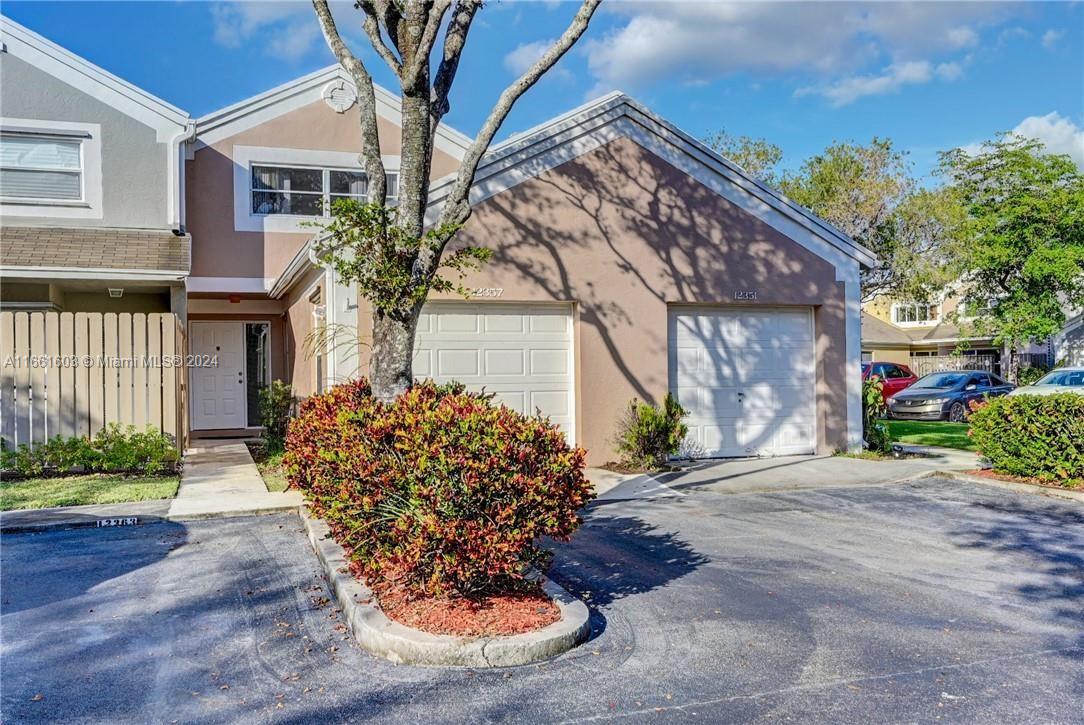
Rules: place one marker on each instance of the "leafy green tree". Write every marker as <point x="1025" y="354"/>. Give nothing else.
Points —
<point x="1022" y="244"/>
<point x="868" y="193"/>
<point x="757" y="156"/>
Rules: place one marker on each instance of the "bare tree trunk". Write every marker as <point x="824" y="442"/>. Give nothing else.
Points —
<point x="404" y="35"/>
<point x="390" y="371"/>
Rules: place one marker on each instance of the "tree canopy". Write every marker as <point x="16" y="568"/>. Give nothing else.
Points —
<point x="1021" y="244"/>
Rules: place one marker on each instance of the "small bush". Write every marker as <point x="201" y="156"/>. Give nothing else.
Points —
<point x="113" y="449"/>
<point x="439" y="492"/>
<point x="875" y="432"/>
<point x="1037" y="436"/>
<point x="1028" y="375"/>
<point x="276" y="401"/>
<point x="648" y="435"/>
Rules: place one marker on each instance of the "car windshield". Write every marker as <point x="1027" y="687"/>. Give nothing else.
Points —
<point x="941" y="380"/>
<point x="865" y="368"/>
<point x="1071" y="378"/>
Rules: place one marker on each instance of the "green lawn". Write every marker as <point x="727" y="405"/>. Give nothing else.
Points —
<point x="269" y="465"/>
<point x="273" y="475"/>
<point x="931" y="433"/>
<point x="37" y="493"/>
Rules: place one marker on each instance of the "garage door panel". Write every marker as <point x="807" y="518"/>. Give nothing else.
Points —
<point x="455" y="322"/>
<point x="519" y="353"/>
<point x="552" y="402"/>
<point x="548" y="324"/>
<point x="549" y="362"/>
<point x="747" y="379"/>
<point x="457" y="364"/>
<point x="504" y="362"/>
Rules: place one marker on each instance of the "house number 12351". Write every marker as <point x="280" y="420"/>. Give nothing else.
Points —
<point x="487" y="291"/>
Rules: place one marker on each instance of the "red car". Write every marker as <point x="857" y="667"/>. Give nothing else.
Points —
<point x="894" y="376"/>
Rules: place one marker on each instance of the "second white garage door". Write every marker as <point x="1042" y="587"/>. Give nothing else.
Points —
<point x="747" y="377"/>
<point x="521" y="353"/>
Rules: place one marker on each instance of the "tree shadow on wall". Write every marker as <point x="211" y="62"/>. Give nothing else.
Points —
<point x="606" y="227"/>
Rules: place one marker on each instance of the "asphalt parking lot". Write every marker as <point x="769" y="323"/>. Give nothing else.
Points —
<point x="905" y="602"/>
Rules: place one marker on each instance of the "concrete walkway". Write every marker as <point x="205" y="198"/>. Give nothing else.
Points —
<point x="750" y="475"/>
<point x="220" y="479"/>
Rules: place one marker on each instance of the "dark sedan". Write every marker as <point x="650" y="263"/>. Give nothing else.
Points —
<point x="945" y="395"/>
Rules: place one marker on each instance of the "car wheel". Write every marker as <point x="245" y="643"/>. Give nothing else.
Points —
<point x="957" y="413"/>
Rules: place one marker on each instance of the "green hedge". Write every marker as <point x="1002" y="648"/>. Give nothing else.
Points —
<point x="112" y="450"/>
<point x="1038" y="436"/>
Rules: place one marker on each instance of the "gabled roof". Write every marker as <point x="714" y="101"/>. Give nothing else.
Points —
<point x="529" y="154"/>
<point x="81" y="74"/>
<point x="300" y="92"/>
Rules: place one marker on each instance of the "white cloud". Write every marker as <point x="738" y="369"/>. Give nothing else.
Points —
<point x="891" y="79"/>
<point x="1058" y="133"/>
<point x="286" y="30"/>
<point x="1051" y="37"/>
<point x="705" y="41"/>
<point x="525" y="55"/>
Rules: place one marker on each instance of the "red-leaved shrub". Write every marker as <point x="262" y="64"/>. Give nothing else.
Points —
<point x="441" y="492"/>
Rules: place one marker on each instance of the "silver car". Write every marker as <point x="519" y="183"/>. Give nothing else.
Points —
<point x="1062" y="380"/>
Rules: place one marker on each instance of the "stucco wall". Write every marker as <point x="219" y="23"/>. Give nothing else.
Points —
<point x="134" y="164"/>
<point x="624" y="235"/>
<point x="218" y="249"/>
<point x="298" y="323"/>
<point x="889" y="355"/>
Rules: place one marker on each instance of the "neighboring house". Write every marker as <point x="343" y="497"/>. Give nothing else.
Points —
<point x="1069" y="343"/>
<point x="931" y="336"/>
<point x="629" y="260"/>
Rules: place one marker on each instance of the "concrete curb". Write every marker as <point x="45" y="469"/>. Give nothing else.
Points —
<point x="1032" y="489"/>
<point x="403" y="645"/>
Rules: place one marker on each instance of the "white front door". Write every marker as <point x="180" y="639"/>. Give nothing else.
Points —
<point x="747" y="377"/>
<point x="217" y="391"/>
<point x="521" y="353"/>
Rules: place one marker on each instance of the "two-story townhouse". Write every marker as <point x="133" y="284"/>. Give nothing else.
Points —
<point x="629" y="261"/>
<point x="933" y="335"/>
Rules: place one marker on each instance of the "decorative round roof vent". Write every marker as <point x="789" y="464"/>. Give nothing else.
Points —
<point x="339" y="96"/>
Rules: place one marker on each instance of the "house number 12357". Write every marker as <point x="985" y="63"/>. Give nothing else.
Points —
<point x="487" y="291"/>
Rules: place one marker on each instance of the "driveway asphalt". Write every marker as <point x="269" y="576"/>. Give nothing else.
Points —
<point x="924" y="601"/>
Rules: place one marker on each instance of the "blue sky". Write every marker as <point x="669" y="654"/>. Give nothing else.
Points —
<point x="929" y="75"/>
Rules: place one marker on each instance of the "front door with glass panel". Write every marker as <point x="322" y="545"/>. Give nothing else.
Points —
<point x="225" y="395"/>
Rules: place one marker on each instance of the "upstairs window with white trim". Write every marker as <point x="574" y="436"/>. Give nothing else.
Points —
<point x="41" y="168"/>
<point x="307" y="191"/>
<point x="915" y="314"/>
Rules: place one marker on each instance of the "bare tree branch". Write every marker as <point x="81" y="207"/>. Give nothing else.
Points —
<point x="374" y="165"/>
<point x="457" y="206"/>
<point x="420" y="61"/>
<point x="454" y="40"/>
<point x="372" y="29"/>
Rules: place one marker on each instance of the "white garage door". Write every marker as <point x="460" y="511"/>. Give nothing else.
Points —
<point x="747" y="377"/>
<point x="522" y="353"/>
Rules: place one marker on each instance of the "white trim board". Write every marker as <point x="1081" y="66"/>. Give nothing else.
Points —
<point x="300" y="92"/>
<point x="23" y="43"/>
<point x="103" y="273"/>
<point x="231" y="285"/>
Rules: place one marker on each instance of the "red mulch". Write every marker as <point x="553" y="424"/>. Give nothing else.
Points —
<point x="492" y="615"/>
<point x="987" y="473"/>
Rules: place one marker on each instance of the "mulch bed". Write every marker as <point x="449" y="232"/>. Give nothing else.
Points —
<point x="987" y="473"/>
<point x="618" y="467"/>
<point x="492" y="615"/>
